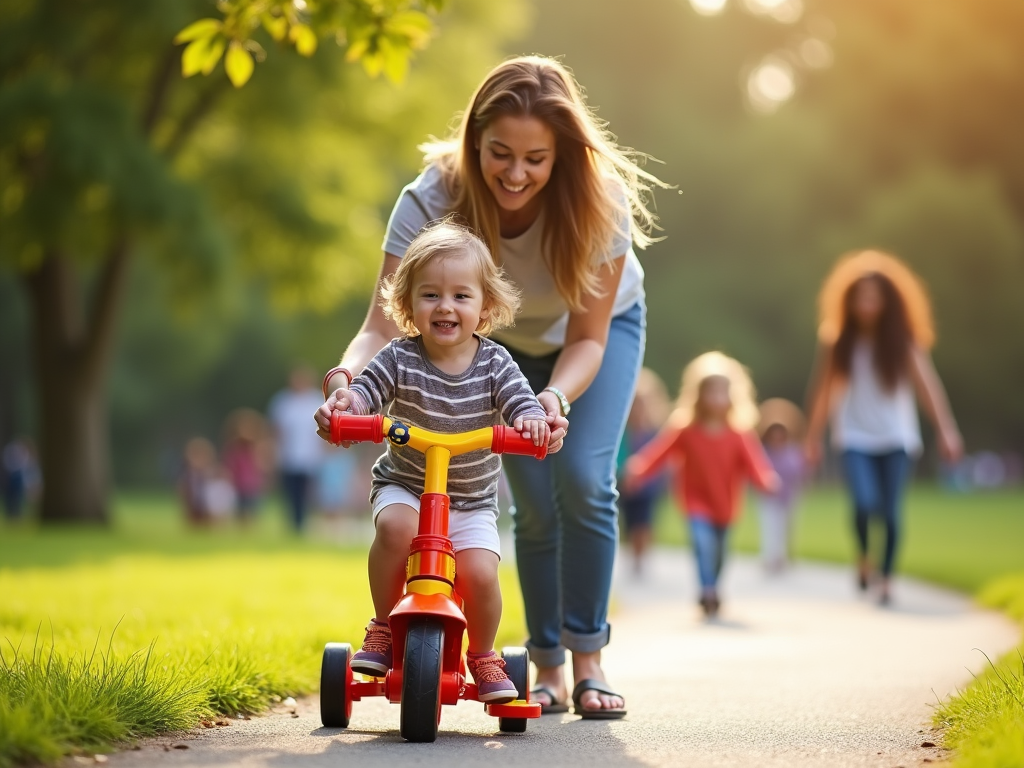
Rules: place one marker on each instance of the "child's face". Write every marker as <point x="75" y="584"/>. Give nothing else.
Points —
<point x="448" y="301"/>
<point x="714" y="400"/>
<point x="776" y="436"/>
<point x="867" y="303"/>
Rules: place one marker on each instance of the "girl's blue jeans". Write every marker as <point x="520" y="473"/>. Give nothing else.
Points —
<point x="709" y="550"/>
<point x="565" y="515"/>
<point x="876" y="483"/>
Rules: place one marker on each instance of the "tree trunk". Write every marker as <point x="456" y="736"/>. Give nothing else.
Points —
<point x="71" y="354"/>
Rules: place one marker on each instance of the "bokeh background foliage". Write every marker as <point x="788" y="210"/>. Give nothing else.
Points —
<point x="265" y="229"/>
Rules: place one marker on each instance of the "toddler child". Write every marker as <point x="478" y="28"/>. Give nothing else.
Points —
<point x="443" y="375"/>
<point x="712" y="450"/>
<point x="781" y="431"/>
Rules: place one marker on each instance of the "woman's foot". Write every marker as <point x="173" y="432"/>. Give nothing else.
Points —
<point x="884" y="595"/>
<point x="863" y="574"/>
<point x="550" y="680"/>
<point x="587" y="666"/>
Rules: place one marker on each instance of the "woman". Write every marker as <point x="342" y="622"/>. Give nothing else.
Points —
<point x="875" y="332"/>
<point x="559" y="204"/>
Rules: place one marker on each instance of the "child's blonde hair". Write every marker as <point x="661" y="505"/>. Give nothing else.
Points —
<point x="743" y="415"/>
<point x="443" y="240"/>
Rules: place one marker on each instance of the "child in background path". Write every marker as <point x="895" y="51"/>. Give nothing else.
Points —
<point x="647" y="415"/>
<point x="781" y="428"/>
<point x="711" y="447"/>
<point x="444" y="375"/>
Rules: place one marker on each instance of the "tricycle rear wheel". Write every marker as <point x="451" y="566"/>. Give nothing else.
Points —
<point x="335" y="681"/>
<point x="517" y="667"/>
<point x="421" y="681"/>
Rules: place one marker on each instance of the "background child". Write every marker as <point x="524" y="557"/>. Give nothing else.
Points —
<point x="712" y="449"/>
<point x="781" y="429"/>
<point x="647" y="415"/>
<point x="874" y="335"/>
<point x="443" y="375"/>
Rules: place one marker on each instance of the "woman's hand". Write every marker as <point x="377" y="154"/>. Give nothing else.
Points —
<point x="951" y="445"/>
<point x="812" y="452"/>
<point x="339" y="400"/>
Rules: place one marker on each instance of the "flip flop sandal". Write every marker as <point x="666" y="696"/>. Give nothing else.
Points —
<point x="555" y="707"/>
<point x="594" y="714"/>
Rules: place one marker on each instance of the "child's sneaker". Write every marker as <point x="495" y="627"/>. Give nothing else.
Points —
<point x="374" y="658"/>
<point x="493" y="685"/>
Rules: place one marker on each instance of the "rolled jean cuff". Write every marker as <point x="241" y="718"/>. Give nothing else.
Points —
<point x="546" y="657"/>
<point x="590" y="643"/>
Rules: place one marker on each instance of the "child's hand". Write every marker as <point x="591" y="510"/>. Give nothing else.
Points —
<point x="630" y="482"/>
<point x="951" y="445"/>
<point x="339" y="400"/>
<point x="537" y="429"/>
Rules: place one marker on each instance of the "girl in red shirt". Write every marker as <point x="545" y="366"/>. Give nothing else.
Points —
<point x="711" y="449"/>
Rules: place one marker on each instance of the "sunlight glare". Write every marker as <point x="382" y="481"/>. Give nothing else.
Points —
<point x="708" y="7"/>
<point x="816" y="53"/>
<point x="784" y="11"/>
<point x="770" y="84"/>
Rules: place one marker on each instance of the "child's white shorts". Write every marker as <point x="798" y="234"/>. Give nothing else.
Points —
<point x="467" y="530"/>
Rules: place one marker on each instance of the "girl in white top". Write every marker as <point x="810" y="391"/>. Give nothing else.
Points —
<point x="875" y="332"/>
<point x="560" y="205"/>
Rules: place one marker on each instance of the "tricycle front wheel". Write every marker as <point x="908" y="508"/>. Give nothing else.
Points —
<point x="421" y="681"/>
<point x="517" y="667"/>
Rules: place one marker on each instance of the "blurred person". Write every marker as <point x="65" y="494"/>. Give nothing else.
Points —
<point x="199" y="467"/>
<point x="711" y="448"/>
<point x="299" y="451"/>
<point x="559" y="204"/>
<point x="21" y="478"/>
<point x="647" y="415"/>
<point x="245" y="459"/>
<point x="875" y="330"/>
<point x="782" y="429"/>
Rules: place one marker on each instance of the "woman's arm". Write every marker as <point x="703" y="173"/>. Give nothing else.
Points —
<point x="375" y="333"/>
<point x="935" y="403"/>
<point x="585" y="340"/>
<point x="818" y="396"/>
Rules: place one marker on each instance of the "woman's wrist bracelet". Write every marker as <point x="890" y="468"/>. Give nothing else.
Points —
<point x="563" y="401"/>
<point x="331" y="373"/>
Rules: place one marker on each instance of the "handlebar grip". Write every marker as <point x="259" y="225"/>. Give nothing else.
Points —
<point x="507" y="440"/>
<point x="346" y="427"/>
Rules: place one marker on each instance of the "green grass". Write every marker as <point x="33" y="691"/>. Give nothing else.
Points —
<point x="150" y="627"/>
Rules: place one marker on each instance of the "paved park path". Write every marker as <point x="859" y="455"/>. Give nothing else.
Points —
<point x="798" y="671"/>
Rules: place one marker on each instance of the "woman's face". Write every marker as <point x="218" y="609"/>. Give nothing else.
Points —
<point x="867" y="303"/>
<point x="516" y="158"/>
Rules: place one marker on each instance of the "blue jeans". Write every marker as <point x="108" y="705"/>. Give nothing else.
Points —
<point x="295" y="486"/>
<point x="709" y="549"/>
<point x="876" y="483"/>
<point x="566" y="518"/>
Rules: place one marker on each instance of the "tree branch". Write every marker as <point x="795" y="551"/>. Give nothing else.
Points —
<point x="192" y="118"/>
<point x="163" y="76"/>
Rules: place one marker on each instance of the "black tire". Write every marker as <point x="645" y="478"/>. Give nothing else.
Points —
<point x="421" y="681"/>
<point x="517" y="667"/>
<point x="335" y="676"/>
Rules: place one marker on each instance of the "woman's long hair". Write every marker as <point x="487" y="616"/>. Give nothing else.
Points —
<point x="595" y="185"/>
<point x="906" y="318"/>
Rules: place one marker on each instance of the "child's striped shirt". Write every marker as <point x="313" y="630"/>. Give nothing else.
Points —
<point x="490" y="391"/>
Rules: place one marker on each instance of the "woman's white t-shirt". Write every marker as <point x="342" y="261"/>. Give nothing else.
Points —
<point x="543" y="317"/>
<point x="870" y="418"/>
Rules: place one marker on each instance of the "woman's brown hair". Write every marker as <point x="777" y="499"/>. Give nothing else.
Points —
<point x="906" y="318"/>
<point x="595" y="185"/>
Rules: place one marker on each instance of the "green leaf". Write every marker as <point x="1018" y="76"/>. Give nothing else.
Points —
<point x="414" y="26"/>
<point x="373" y="63"/>
<point x="357" y="50"/>
<point x="395" y="58"/>
<point x="213" y="54"/>
<point x="238" y="64"/>
<point x="199" y="29"/>
<point x="276" y="26"/>
<point x="194" y="56"/>
<point x="305" y="39"/>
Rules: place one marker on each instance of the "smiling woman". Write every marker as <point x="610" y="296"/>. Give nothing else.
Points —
<point x="559" y="205"/>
